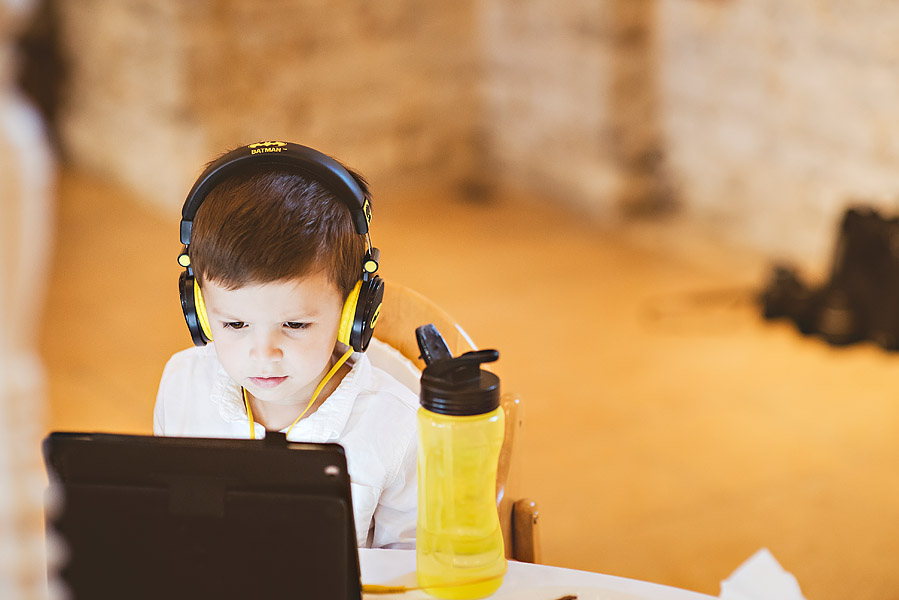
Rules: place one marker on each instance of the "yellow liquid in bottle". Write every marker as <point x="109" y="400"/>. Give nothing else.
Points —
<point x="460" y="553"/>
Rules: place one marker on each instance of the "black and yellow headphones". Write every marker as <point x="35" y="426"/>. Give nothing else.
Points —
<point x="363" y="305"/>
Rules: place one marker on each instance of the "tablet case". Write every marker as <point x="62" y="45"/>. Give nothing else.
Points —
<point x="148" y="517"/>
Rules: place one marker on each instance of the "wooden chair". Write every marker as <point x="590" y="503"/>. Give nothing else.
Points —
<point x="402" y="312"/>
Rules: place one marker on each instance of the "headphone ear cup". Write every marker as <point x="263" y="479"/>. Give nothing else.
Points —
<point x="368" y="309"/>
<point x="188" y="289"/>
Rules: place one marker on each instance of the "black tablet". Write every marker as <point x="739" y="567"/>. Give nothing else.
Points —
<point x="148" y="517"/>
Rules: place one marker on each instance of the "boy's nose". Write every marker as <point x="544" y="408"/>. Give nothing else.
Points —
<point x="266" y="349"/>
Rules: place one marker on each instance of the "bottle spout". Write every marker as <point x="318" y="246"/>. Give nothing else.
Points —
<point x="463" y="369"/>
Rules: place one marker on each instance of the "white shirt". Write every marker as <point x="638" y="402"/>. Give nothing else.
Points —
<point x="370" y="414"/>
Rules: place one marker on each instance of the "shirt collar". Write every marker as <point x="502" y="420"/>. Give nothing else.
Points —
<point x="227" y="395"/>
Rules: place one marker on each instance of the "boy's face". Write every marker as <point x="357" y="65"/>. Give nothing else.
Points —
<point x="275" y="339"/>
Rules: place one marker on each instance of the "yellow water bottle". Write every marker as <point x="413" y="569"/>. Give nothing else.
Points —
<point x="459" y="546"/>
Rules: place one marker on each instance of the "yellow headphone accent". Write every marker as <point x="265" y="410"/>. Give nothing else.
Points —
<point x="348" y="314"/>
<point x="202" y="317"/>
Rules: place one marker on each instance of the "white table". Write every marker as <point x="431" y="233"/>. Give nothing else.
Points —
<point x="522" y="581"/>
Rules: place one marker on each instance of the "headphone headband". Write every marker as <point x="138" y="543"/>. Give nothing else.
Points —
<point x="320" y="166"/>
<point x="361" y="309"/>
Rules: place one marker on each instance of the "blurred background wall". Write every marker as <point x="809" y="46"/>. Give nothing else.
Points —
<point x="558" y="98"/>
<point x="761" y="118"/>
<point x="776" y="114"/>
<point x="158" y="88"/>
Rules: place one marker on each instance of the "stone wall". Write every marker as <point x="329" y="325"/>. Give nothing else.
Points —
<point x="778" y="114"/>
<point x="157" y="88"/>
<point x="760" y="118"/>
<point x="571" y="105"/>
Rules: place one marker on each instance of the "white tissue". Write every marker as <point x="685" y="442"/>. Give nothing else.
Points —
<point x="760" y="578"/>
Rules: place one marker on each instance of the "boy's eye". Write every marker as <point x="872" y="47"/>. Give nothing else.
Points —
<point x="235" y="325"/>
<point x="296" y="325"/>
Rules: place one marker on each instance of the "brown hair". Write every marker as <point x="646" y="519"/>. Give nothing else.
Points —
<point x="268" y="224"/>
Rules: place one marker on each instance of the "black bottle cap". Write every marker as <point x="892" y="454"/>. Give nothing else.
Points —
<point x="458" y="387"/>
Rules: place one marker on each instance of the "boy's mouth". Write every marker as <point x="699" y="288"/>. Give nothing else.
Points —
<point x="267" y="382"/>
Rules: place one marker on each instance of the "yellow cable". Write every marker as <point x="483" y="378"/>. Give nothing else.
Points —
<point x="246" y="402"/>
<point x="402" y="589"/>
<point x="315" y="394"/>
<point x="321" y="386"/>
<point x="386" y="589"/>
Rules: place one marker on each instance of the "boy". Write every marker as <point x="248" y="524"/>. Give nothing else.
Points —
<point x="279" y="276"/>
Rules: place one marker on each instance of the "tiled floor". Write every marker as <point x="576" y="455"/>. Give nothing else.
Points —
<point x="670" y="432"/>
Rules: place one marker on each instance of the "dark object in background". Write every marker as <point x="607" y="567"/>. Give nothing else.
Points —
<point x="860" y="301"/>
<point x="43" y="72"/>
